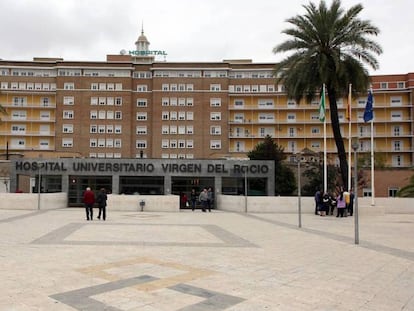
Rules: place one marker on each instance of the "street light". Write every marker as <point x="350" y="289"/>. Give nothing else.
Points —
<point x="299" y="195"/>
<point x="39" y="184"/>
<point x="245" y="190"/>
<point x="355" y="148"/>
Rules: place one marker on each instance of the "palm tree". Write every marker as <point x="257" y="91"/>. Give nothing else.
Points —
<point x="408" y="190"/>
<point x="328" y="46"/>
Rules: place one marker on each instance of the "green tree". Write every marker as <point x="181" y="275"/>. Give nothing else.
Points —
<point x="328" y="46"/>
<point x="407" y="191"/>
<point x="268" y="150"/>
<point x="314" y="176"/>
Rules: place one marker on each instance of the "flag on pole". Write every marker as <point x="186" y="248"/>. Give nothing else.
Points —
<point x="368" y="113"/>
<point x="322" y="105"/>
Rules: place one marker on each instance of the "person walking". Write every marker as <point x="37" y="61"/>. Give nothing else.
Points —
<point x="318" y="199"/>
<point x="193" y="199"/>
<point x="351" y="202"/>
<point x="89" y="201"/>
<point x="101" y="200"/>
<point x="203" y="198"/>
<point x="210" y="198"/>
<point x="340" y="204"/>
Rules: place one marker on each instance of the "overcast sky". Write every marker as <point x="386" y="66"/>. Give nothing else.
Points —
<point x="188" y="30"/>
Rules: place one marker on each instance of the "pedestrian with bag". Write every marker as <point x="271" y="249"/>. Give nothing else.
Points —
<point x="101" y="200"/>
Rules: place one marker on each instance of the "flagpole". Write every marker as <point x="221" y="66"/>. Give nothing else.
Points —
<point x="349" y="109"/>
<point x="325" y="170"/>
<point x="372" y="162"/>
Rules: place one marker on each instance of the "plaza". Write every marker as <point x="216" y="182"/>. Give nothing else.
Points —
<point x="154" y="261"/>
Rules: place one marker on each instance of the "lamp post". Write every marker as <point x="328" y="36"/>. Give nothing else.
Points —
<point x="245" y="190"/>
<point x="39" y="184"/>
<point x="299" y="195"/>
<point x="355" y="148"/>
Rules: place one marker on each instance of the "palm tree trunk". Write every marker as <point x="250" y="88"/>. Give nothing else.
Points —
<point x="343" y="164"/>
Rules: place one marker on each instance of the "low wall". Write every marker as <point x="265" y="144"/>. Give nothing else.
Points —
<point x="290" y="205"/>
<point x="153" y="203"/>
<point x="231" y="203"/>
<point x="30" y="201"/>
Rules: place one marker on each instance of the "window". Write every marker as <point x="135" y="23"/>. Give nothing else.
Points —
<point x="190" y="129"/>
<point x="141" y="116"/>
<point x="315" y="131"/>
<point x="93" y="129"/>
<point x="173" y="129"/>
<point x="190" y="102"/>
<point x="366" y="192"/>
<point x="190" y="115"/>
<point x="173" y="115"/>
<point x="44" y="115"/>
<point x="384" y="85"/>
<point x="396" y="115"/>
<point x="141" y="144"/>
<point x="190" y="143"/>
<point x="110" y="86"/>
<point x="165" y="116"/>
<point x="102" y="86"/>
<point x="215" y="130"/>
<point x="118" y="101"/>
<point x="181" y="102"/>
<point x="67" y="142"/>
<point x="266" y="103"/>
<point x="173" y="143"/>
<point x="68" y="100"/>
<point x="165" y="87"/>
<point x="142" y="88"/>
<point x="396" y="145"/>
<point x="190" y="87"/>
<point x="401" y="85"/>
<point x="215" y="87"/>
<point x="292" y="131"/>
<point x="67" y="128"/>
<point x="117" y="143"/>
<point x="118" y="115"/>
<point x="315" y="145"/>
<point x="118" y="86"/>
<point x="165" y="101"/>
<point x="215" y="144"/>
<point x="141" y="130"/>
<point x="109" y="143"/>
<point x="266" y="117"/>
<point x="109" y="115"/>
<point x="181" y="115"/>
<point x="173" y="101"/>
<point x="118" y="129"/>
<point x="165" y="129"/>
<point x="397" y="161"/>
<point x="109" y="101"/>
<point x="68" y="114"/>
<point x="101" y="114"/>
<point x="18" y="129"/>
<point x="173" y="87"/>
<point x="102" y="101"/>
<point x="44" y="144"/>
<point x="18" y="143"/>
<point x="109" y="129"/>
<point x="239" y="103"/>
<point x="181" y="143"/>
<point x="94" y="101"/>
<point x="18" y="115"/>
<point x="392" y="191"/>
<point x="396" y="130"/>
<point x="93" y="143"/>
<point x="291" y="117"/>
<point x="19" y="101"/>
<point x="45" y="101"/>
<point x="164" y="143"/>
<point x="69" y="86"/>
<point x="395" y="101"/>
<point x="141" y="102"/>
<point x="93" y="115"/>
<point x="101" y="129"/>
<point x="181" y="130"/>
<point x="215" y="116"/>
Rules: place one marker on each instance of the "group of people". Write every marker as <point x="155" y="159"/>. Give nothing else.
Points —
<point x="89" y="201"/>
<point x="342" y="201"/>
<point x="205" y="198"/>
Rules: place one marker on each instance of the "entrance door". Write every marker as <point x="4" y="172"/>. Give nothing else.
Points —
<point x="78" y="184"/>
<point x="183" y="185"/>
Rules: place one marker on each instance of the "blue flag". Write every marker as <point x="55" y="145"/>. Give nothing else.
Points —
<point x="368" y="113"/>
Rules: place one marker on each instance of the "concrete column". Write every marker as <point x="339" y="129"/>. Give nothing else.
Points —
<point x="115" y="184"/>
<point x="65" y="183"/>
<point x="167" y="184"/>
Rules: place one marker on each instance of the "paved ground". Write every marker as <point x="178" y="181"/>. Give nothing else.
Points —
<point x="56" y="260"/>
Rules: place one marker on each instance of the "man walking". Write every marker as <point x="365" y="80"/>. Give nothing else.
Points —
<point x="89" y="200"/>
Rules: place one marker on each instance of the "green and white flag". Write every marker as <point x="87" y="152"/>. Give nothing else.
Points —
<point x="322" y="105"/>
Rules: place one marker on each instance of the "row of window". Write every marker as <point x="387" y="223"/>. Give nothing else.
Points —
<point x="28" y="86"/>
